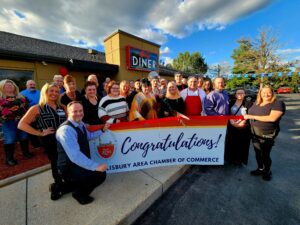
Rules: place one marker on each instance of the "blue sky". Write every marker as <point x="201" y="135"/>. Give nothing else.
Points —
<point x="217" y="45"/>
<point x="211" y="27"/>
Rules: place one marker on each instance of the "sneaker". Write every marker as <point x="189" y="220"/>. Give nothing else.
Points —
<point x="83" y="200"/>
<point x="267" y="175"/>
<point x="56" y="192"/>
<point x="257" y="172"/>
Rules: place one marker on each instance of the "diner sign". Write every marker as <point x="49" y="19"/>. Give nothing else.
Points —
<point x="138" y="59"/>
<point x="161" y="142"/>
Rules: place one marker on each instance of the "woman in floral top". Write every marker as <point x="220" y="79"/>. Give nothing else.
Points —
<point x="12" y="107"/>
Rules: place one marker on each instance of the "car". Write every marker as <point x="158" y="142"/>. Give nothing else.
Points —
<point x="298" y="88"/>
<point x="284" y="90"/>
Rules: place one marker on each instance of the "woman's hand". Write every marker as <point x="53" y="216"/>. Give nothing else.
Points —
<point x="49" y="130"/>
<point x="238" y="123"/>
<point x="247" y="117"/>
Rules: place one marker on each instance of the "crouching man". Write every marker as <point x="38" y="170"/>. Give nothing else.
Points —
<point x="74" y="161"/>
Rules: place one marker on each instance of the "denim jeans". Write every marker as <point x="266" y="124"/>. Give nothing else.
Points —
<point x="11" y="133"/>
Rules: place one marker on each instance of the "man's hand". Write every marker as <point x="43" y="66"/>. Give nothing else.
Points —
<point x="101" y="168"/>
<point x="106" y="126"/>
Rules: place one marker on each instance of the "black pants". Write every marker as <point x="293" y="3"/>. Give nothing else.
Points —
<point x="262" y="152"/>
<point x="83" y="181"/>
<point x="50" y="145"/>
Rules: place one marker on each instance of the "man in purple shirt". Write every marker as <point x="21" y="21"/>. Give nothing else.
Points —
<point x="216" y="103"/>
<point x="74" y="161"/>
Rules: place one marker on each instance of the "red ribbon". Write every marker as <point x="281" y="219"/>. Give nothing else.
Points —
<point x="169" y="122"/>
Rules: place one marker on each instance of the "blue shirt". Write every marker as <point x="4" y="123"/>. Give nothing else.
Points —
<point x="217" y="103"/>
<point x="33" y="96"/>
<point x="67" y="137"/>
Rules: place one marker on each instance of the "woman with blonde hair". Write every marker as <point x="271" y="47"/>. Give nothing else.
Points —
<point x="173" y="102"/>
<point x="126" y="92"/>
<point x="264" y="117"/>
<point x="49" y="114"/>
<point x="12" y="107"/>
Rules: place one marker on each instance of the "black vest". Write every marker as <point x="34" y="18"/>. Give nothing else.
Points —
<point x="63" y="161"/>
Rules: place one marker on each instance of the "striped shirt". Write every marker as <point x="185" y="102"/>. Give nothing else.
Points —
<point x="112" y="108"/>
<point x="51" y="118"/>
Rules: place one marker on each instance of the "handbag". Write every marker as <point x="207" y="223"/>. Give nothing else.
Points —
<point x="267" y="135"/>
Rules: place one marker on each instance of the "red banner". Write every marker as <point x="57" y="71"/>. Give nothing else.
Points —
<point x="195" y="121"/>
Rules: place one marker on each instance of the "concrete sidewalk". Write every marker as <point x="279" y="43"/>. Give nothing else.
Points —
<point x="120" y="200"/>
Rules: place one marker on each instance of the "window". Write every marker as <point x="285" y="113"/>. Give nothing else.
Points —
<point x="18" y="76"/>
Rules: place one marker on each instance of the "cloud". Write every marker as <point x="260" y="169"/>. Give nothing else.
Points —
<point x="86" y="23"/>
<point x="185" y="17"/>
<point x="288" y="50"/>
<point x="165" y="50"/>
<point x="153" y="35"/>
<point x="166" y="60"/>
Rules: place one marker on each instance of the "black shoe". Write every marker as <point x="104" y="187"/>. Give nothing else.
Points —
<point x="28" y="155"/>
<point x="56" y="192"/>
<point x="83" y="200"/>
<point x="267" y="175"/>
<point x="257" y="172"/>
<point x="11" y="162"/>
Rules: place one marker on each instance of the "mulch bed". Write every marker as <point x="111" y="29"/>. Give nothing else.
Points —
<point x="40" y="159"/>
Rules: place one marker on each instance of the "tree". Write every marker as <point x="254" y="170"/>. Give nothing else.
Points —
<point x="259" y="55"/>
<point x="190" y="63"/>
<point x="244" y="57"/>
<point x="219" y="70"/>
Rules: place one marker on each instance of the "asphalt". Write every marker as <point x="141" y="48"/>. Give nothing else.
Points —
<point x="125" y="196"/>
<point x="121" y="199"/>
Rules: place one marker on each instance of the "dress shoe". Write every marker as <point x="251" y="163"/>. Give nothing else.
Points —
<point x="28" y="155"/>
<point x="257" y="172"/>
<point x="267" y="175"/>
<point x="11" y="162"/>
<point x="83" y="200"/>
<point x="56" y="192"/>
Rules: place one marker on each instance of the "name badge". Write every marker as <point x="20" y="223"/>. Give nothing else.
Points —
<point x="60" y="112"/>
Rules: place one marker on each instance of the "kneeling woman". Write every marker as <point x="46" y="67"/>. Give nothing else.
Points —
<point x="265" y="116"/>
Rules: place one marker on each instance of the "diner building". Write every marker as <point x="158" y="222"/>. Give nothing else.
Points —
<point x="126" y="57"/>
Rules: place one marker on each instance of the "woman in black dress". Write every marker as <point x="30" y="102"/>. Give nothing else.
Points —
<point x="238" y="134"/>
<point x="90" y="102"/>
<point x="71" y="93"/>
<point x="172" y="102"/>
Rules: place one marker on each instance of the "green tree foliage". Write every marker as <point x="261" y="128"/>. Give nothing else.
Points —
<point x="244" y="57"/>
<point x="258" y="55"/>
<point x="295" y="80"/>
<point x="190" y="63"/>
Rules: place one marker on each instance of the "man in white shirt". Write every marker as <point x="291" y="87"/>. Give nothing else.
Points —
<point x="193" y="98"/>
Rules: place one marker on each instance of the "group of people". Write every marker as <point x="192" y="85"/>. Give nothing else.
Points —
<point x="59" y="115"/>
